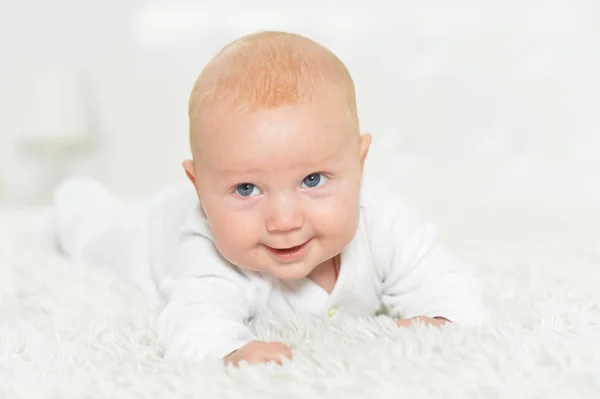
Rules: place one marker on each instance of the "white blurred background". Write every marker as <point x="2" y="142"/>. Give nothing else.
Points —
<point x="493" y="98"/>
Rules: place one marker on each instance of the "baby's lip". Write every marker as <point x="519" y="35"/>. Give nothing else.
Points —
<point x="288" y="248"/>
<point x="289" y="254"/>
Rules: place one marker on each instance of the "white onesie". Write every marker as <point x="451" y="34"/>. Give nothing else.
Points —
<point x="165" y="246"/>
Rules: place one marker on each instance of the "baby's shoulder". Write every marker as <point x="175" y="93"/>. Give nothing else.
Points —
<point x="384" y="207"/>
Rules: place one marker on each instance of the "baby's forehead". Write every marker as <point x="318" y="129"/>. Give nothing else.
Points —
<point x="296" y="134"/>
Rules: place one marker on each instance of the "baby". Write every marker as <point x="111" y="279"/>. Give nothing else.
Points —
<point x="279" y="222"/>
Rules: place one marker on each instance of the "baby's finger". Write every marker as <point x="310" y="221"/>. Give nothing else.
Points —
<point x="272" y="357"/>
<point x="278" y="357"/>
<point x="287" y="352"/>
<point x="403" y="322"/>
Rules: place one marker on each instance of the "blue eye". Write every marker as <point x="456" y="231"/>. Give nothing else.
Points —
<point x="314" y="180"/>
<point x="247" y="190"/>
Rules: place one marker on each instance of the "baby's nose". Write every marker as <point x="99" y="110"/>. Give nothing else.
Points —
<point x="285" y="214"/>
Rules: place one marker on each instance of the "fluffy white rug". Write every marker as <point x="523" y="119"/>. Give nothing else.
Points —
<point x="69" y="331"/>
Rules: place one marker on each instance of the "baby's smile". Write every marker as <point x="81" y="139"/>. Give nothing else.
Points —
<point x="291" y="254"/>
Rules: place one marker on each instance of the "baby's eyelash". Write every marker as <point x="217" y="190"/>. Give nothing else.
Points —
<point x="328" y="175"/>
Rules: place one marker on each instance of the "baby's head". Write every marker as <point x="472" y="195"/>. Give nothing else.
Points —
<point x="277" y="154"/>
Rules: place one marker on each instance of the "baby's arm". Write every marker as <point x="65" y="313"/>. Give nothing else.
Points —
<point x="420" y="279"/>
<point x="208" y="303"/>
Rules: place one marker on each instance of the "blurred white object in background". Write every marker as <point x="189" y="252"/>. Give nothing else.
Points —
<point x="53" y="109"/>
<point x="54" y="129"/>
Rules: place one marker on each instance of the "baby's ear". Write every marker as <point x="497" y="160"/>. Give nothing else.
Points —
<point x="364" y="145"/>
<point x="188" y="166"/>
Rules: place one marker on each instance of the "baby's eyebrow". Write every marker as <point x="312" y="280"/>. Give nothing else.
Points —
<point x="312" y="163"/>
<point x="241" y="171"/>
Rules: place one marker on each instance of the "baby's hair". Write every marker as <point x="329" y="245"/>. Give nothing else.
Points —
<point x="267" y="70"/>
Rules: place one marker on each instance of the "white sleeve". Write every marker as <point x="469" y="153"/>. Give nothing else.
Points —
<point x="208" y="302"/>
<point x="419" y="278"/>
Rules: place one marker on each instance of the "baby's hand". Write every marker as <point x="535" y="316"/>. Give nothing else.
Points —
<point x="259" y="352"/>
<point x="435" y="321"/>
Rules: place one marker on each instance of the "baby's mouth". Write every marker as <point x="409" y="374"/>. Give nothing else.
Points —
<point x="287" y="250"/>
<point x="289" y="254"/>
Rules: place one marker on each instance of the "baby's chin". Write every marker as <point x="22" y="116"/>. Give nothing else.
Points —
<point x="290" y="271"/>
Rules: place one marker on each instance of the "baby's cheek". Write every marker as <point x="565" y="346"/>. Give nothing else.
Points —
<point x="235" y="237"/>
<point x="338" y="219"/>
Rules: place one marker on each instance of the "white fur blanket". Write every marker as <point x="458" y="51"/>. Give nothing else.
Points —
<point x="69" y="331"/>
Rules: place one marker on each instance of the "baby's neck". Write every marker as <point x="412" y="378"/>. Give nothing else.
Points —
<point x="325" y="275"/>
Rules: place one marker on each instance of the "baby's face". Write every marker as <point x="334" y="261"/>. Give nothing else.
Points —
<point x="280" y="187"/>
